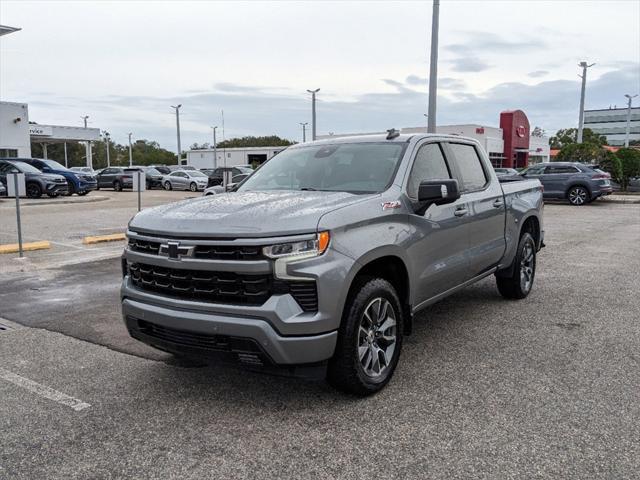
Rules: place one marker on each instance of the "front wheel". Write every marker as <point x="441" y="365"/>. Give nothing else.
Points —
<point x="33" y="190"/>
<point x="83" y="193"/>
<point x="117" y="186"/>
<point x="518" y="285"/>
<point x="167" y="185"/>
<point x="369" y="339"/>
<point x="578" y="195"/>
<point x="193" y="187"/>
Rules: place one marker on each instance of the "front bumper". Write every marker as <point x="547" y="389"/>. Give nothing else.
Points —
<point x="87" y="186"/>
<point x="56" y="188"/>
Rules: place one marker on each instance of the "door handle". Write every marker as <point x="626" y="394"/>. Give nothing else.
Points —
<point x="461" y="212"/>
<point x="498" y="203"/>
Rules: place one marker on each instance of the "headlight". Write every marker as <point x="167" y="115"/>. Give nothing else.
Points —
<point x="306" y="248"/>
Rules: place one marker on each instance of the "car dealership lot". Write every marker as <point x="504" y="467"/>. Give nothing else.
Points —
<point x="544" y="387"/>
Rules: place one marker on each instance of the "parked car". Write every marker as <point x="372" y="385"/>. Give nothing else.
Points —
<point x="576" y="182"/>
<point x="3" y="190"/>
<point x="153" y="176"/>
<point x="505" y="171"/>
<point x="325" y="254"/>
<point x="235" y="181"/>
<point x="37" y="182"/>
<point x="117" y="178"/>
<point x="174" y="168"/>
<point x="193" y="180"/>
<point x="163" y="169"/>
<point x="77" y="182"/>
<point x="87" y="170"/>
<point x="217" y="174"/>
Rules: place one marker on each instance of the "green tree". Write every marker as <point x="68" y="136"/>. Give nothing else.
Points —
<point x="630" y="165"/>
<point x="270" y="141"/>
<point x="581" y="152"/>
<point x="569" y="136"/>
<point x="612" y="165"/>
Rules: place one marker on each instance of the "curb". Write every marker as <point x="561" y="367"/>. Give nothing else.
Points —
<point x="27" y="247"/>
<point x="114" y="237"/>
<point x="30" y="203"/>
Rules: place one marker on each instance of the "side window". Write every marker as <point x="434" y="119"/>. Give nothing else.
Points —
<point x="561" y="169"/>
<point x="428" y="165"/>
<point x="470" y="166"/>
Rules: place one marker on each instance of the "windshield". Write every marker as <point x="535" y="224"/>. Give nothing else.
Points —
<point x="153" y="171"/>
<point x="25" y="167"/>
<point x="349" y="167"/>
<point x="54" y="165"/>
<point x="195" y="174"/>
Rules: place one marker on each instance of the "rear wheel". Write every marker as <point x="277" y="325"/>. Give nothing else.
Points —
<point x="578" y="195"/>
<point x="369" y="339"/>
<point x="519" y="283"/>
<point x="193" y="187"/>
<point x="34" y="190"/>
<point x="117" y="186"/>
<point x="167" y="185"/>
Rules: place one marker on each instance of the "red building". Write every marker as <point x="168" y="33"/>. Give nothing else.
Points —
<point x="515" y="133"/>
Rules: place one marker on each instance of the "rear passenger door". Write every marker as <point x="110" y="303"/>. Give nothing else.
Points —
<point x="485" y="209"/>
<point x="439" y="253"/>
<point x="556" y="179"/>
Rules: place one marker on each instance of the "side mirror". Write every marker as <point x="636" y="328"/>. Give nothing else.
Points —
<point x="439" y="192"/>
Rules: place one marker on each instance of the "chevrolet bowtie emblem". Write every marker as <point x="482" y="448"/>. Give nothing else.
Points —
<point x="174" y="251"/>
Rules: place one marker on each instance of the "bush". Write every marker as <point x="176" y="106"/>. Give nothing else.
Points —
<point x="630" y="165"/>
<point x="612" y="165"/>
<point x="581" y="152"/>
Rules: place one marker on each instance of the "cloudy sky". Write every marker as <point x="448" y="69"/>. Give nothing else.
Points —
<point x="125" y="63"/>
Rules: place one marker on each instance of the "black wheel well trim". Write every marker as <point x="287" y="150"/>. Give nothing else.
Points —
<point x="529" y="224"/>
<point x="393" y="269"/>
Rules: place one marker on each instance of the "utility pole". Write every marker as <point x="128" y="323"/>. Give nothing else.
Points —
<point x="626" y="138"/>
<point x="106" y="140"/>
<point x="130" y="154"/>
<point x="215" y="148"/>
<point x="224" y="148"/>
<point x="177" y="108"/>
<point x="304" y="131"/>
<point x="433" y="68"/>
<point x="313" y="112"/>
<point x="582" y="92"/>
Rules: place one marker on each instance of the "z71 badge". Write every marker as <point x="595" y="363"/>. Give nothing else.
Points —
<point x="391" y="205"/>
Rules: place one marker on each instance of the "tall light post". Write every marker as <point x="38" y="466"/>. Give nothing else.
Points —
<point x="130" y="153"/>
<point x="177" y="109"/>
<point x="106" y="141"/>
<point x="313" y="112"/>
<point x="426" y="117"/>
<point x="304" y="131"/>
<point x="584" y="66"/>
<point x="626" y="138"/>
<point x="215" y="148"/>
<point x="87" y="145"/>
<point x="433" y="68"/>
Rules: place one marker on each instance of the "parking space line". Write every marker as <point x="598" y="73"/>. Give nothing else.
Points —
<point x="43" y="391"/>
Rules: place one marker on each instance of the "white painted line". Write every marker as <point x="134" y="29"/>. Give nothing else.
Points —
<point x="43" y="391"/>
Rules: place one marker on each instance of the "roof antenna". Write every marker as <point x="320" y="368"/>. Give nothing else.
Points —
<point x="392" y="133"/>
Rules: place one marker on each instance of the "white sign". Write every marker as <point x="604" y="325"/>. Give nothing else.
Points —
<point x="11" y="185"/>
<point x="139" y="181"/>
<point x="39" y="130"/>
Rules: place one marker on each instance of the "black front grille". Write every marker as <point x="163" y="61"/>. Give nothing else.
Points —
<point x="144" y="246"/>
<point x="218" y="287"/>
<point x="205" y="252"/>
<point x="305" y="294"/>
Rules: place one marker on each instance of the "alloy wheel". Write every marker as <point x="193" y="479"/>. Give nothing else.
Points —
<point x="578" y="196"/>
<point x="527" y="266"/>
<point x="377" y="337"/>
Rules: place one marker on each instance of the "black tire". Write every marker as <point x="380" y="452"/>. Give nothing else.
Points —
<point x="346" y="371"/>
<point x="33" y="190"/>
<point x="70" y="188"/>
<point x="167" y="185"/>
<point x="147" y="185"/>
<point x="519" y="284"/>
<point x="578" y="195"/>
<point x="193" y="187"/>
<point x="82" y="194"/>
<point x="117" y="186"/>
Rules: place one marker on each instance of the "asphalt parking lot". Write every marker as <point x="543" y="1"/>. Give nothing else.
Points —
<point x="547" y="387"/>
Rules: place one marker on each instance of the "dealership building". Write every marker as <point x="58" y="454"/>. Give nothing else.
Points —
<point x="510" y="145"/>
<point x="612" y="123"/>
<point x="231" y="157"/>
<point x="17" y="133"/>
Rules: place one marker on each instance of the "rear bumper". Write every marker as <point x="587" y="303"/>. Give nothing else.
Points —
<point x="245" y="340"/>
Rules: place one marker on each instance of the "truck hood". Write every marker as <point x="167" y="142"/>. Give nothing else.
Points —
<point x="243" y="214"/>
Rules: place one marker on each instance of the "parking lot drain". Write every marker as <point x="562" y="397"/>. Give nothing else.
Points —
<point x="114" y="237"/>
<point x="29" y="246"/>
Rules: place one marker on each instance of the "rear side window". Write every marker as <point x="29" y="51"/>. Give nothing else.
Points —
<point x="428" y="165"/>
<point x="470" y="166"/>
<point x="561" y="169"/>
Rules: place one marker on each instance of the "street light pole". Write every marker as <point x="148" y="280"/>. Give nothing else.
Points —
<point x="106" y="139"/>
<point x="313" y="112"/>
<point x="87" y="145"/>
<point x="584" y="66"/>
<point x="626" y="138"/>
<point x="130" y="154"/>
<point x="433" y="68"/>
<point x="304" y="131"/>
<point x="215" y="148"/>
<point x="177" y="108"/>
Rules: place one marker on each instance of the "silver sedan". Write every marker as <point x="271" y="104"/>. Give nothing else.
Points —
<point x="193" y="180"/>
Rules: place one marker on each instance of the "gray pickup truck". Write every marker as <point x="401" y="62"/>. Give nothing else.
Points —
<point x="325" y="254"/>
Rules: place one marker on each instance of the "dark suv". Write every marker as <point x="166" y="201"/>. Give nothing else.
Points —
<point x="216" y="175"/>
<point x="37" y="183"/>
<point x="576" y="182"/>
<point x="117" y="178"/>
<point x="77" y="182"/>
